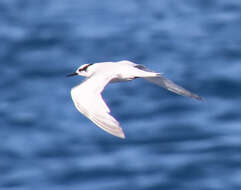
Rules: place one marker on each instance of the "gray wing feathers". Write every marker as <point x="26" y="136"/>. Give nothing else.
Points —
<point x="141" y="67"/>
<point x="169" y="85"/>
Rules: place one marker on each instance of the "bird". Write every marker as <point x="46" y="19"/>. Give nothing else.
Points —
<point x="88" y="99"/>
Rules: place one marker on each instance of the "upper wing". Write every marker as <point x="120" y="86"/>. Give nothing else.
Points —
<point x="88" y="100"/>
<point x="169" y="85"/>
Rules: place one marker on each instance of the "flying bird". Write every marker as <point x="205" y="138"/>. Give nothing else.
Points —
<point x="87" y="96"/>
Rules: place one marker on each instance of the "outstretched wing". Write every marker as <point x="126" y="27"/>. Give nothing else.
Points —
<point x="168" y="84"/>
<point x="88" y="100"/>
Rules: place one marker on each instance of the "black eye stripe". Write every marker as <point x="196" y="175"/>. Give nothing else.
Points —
<point x="85" y="67"/>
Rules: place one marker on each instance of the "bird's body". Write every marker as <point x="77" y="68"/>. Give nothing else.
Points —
<point x="87" y="95"/>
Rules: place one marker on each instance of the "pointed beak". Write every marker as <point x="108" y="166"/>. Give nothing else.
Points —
<point x="72" y="74"/>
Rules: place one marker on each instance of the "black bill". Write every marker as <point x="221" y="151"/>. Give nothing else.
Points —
<point x="72" y="74"/>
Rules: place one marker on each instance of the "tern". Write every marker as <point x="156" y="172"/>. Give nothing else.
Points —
<point x="87" y="96"/>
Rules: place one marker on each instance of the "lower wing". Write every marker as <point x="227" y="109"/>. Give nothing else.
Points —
<point x="93" y="107"/>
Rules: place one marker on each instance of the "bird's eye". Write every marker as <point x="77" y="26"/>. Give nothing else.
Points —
<point x="82" y="69"/>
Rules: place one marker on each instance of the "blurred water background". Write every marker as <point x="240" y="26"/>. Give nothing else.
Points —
<point x="172" y="142"/>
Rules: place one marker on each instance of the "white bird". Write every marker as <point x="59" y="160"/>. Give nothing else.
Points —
<point x="87" y="96"/>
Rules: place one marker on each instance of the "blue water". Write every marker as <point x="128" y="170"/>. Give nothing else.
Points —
<point x="172" y="142"/>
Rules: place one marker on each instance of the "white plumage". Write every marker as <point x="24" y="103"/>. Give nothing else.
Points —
<point x="87" y="96"/>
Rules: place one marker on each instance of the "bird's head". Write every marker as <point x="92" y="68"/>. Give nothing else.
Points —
<point x="83" y="70"/>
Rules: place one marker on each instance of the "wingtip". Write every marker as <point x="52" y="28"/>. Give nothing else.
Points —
<point x="122" y="136"/>
<point x="199" y="98"/>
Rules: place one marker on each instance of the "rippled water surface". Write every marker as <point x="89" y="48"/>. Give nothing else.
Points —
<point x="172" y="142"/>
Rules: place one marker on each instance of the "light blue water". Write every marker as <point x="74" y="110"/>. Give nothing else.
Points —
<point x="172" y="142"/>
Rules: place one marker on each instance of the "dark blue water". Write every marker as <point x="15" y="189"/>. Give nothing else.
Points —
<point x="172" y="142"/>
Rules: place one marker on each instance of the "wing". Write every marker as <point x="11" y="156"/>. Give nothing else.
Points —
<point x="89" y="102"/>
<point x="169" y="85"/>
